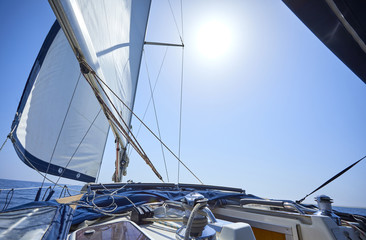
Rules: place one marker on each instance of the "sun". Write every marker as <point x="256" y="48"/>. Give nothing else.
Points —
<point x="214" y="39"/>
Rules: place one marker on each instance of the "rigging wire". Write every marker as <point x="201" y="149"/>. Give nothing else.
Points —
<point x="86" y="69"/>
<point x="101" y="81"/>
<point x="175" y="21"/>
<point x="156" y="115"/>
<point x="162" y="144"/>
<point x="181" y="92"/>
<point x="125" y="133"/>
<point x="4" y="142"/>
<point x="180" y="113"/>
<point x="137" y="147"/>
<point x="156" y="81"/>
<point x="8" y="137"/>
<point x="331" y="179"/>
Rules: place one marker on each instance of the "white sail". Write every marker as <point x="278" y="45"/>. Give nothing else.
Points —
<point x="108" y="36"/>
<point x="59" y="127"/>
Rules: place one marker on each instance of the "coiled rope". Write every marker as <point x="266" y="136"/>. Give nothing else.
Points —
<point x="89" y="202"/>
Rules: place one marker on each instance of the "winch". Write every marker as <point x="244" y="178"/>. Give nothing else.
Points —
<point x="195" y="219"/>
<point x="325" y="208"/>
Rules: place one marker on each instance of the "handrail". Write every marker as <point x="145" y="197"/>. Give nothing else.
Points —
<point x="274" y="203"/>
<point x="99" y="186"/>
<point x="211" y="187"/>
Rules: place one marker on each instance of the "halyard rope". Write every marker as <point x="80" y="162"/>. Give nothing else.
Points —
<point x="106" y="210"/>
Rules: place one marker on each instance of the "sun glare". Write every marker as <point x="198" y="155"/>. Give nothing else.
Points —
<point x="214" y="39"/>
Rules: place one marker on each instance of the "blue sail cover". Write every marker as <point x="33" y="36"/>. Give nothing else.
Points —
<point x="104" y="199"/>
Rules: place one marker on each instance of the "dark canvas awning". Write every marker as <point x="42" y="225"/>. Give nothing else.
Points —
<point x="340" y="25"/>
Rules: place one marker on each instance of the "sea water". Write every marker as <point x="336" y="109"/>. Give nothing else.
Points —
<point x="25" y="192"/>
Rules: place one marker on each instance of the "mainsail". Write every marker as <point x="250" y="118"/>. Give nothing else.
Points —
<point x="106" y="39"/>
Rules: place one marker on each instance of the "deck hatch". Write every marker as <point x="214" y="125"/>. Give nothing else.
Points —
<point x="114" y="231"/>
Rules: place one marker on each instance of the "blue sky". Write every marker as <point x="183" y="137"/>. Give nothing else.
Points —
<point x="266" y="106"/>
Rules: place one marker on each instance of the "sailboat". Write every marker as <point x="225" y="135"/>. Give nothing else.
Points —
<point x="84" y="83"/>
